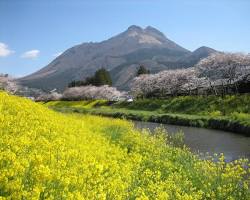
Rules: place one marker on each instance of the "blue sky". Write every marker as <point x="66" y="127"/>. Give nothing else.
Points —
<point x="32" y="31"/>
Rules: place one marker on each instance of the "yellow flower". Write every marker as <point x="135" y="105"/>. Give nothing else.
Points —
<point x="50" y="155"/>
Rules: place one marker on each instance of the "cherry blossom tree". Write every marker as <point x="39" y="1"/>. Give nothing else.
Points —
<point x="215" y="73"/>
<point x="224" y="69"/>
<point x="92" y="92"/>
<point x="8" y="84"/>
<point x="54" y="96"/>
<point x="165" y="83"/>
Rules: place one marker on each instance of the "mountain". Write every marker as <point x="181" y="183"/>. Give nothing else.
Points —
<point x="121" y="55"/>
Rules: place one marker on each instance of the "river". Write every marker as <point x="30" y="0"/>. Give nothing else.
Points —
<point x="202" y="140"/>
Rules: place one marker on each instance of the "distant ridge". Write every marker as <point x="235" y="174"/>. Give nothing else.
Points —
<point x="121" y="55"/>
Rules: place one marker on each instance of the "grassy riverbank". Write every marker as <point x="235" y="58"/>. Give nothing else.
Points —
<point x="50" y="155"/>
<point x="230" y="113"/>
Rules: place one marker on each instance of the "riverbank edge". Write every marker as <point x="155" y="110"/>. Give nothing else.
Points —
<point x="223" y="124"/>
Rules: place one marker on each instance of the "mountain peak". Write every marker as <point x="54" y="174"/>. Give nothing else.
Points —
<point x="155" y="32"/>
<point x="148" y="30"/>
<point x="152" y="30"/>
<point x="120" y="54"/>
<point x="143" y="36"/>
<point x="148" y="35"/>
<point x="135" y="28"/>
<point x="204" y="50"/>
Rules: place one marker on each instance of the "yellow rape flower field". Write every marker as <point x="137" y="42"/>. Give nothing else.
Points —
<point x="49" y="155"/>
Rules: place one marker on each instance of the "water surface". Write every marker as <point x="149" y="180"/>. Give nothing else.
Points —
<point x="203" y="140"/>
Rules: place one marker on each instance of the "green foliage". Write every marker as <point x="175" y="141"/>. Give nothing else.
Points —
<point x="176" y="140"/>
<point x="101" y="77"/>
<point x="198" y="105"/>
<point x="142" y="70"/>
<point x="231" y="113"/>
<point x="76" y="83"/>
<point x="240" y="116"/>
<point x="215" y="113"/>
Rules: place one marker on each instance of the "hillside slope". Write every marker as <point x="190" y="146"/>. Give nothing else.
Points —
<point x="121" y="55"/>
<point x="47" y="155"/>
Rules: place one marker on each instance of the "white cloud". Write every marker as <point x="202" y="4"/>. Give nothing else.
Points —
<point x="57" y="54"/>
<point x="4" y="50"/>
<point x="31" y="54"/>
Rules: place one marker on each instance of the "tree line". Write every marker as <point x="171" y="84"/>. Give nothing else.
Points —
<point x="101" y="77"/>
<point x="218" y="74"/>
<point x="97" y="86"/>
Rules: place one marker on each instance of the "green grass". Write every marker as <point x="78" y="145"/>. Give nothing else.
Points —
<point x="231" y="113"/>
<point x="204" y="105"/>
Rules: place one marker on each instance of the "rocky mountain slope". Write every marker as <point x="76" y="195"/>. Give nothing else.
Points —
<point x="121" y="55"/>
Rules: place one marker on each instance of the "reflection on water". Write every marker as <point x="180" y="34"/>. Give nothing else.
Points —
<point x="207" y="140"/>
